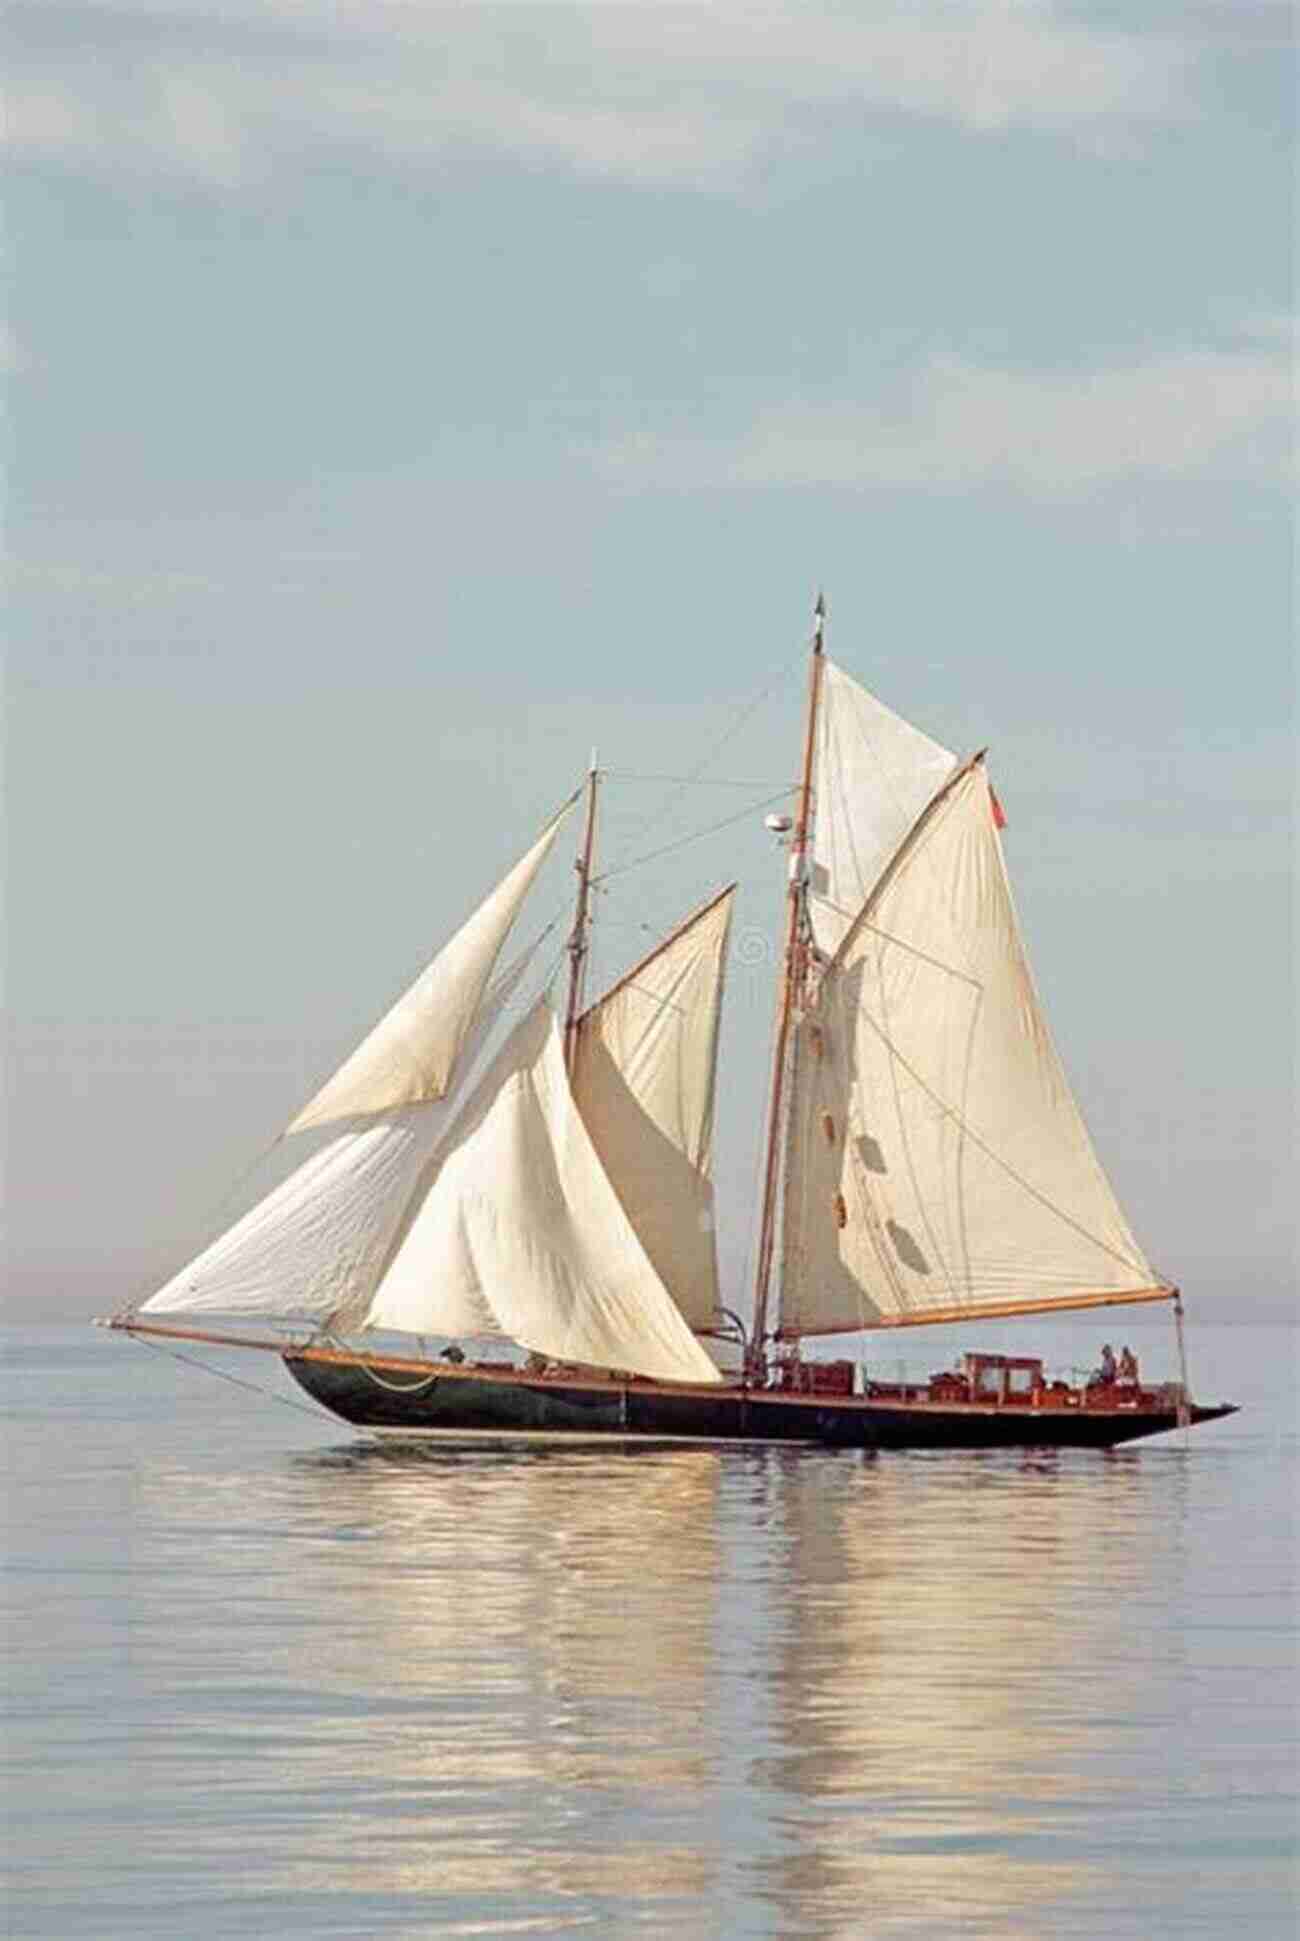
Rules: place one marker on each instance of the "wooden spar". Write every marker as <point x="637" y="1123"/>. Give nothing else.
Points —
<point x="794" y="966"/>
<point x="995" y="1311"/>
<point x="578" y="935"/>
<point x="127" y="1324"/>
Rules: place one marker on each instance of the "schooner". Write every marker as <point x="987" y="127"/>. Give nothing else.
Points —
<point x="539" y="1182"/>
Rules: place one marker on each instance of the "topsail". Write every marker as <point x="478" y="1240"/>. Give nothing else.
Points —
<point x="874" y="773"/>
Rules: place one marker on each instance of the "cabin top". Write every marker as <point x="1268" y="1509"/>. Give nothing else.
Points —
<point x="1003" y="1374"/>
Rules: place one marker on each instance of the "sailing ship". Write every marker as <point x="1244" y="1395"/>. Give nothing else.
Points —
<point x="539" y="1185"/>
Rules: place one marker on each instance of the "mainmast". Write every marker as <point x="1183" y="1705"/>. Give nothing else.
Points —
<point x="794" y="972"/>
<point x="581" y="921"/>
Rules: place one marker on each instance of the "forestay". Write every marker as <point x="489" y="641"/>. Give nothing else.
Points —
<point x="873" y="775"/>
<point x="644" y="1077"/>
<point x="521" y="1233"/>
<point x="410" y="1055"/>
<point x="936" y="1160"/>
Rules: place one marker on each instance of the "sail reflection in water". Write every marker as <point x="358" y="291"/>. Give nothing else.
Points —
<point x="936" y="1716"/>
<point x="829" y="1694"/>
<point x="535" y="1637"/>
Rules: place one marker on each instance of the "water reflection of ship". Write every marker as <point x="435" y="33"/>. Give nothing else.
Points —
<point x="501" y="1684"/>
<point x="936" y="1736"/>
<point x="543" y="1655"/>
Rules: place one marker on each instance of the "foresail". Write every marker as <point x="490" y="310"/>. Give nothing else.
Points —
<point x="316" y="1245"/>
<point x="936" y="1160"/>
<point x="320" y="1237"/>
<point x="411" y="1054"/>
<point x="521" y="1233"/>
<point x="873" y="774"/>
<point x="644" y="1076"/>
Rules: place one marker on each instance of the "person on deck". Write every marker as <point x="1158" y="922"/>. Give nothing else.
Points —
<point x="1128" y="1368"/>
<point x="1106" y="1373"/>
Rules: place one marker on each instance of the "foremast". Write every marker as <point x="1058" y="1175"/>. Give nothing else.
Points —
<point x="578" y="936"/>
<point x="793" y="982"/>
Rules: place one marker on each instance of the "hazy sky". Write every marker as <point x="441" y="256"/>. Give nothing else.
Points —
<point x="405" y="397"/>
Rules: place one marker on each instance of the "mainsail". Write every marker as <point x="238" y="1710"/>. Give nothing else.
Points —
<point x="644" y="1077"/>
<point x="937" y="1165"/>
<point x="521" y="1234"/>
<point x="410" y="1055"/>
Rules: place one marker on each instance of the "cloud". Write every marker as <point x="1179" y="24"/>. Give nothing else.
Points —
<point x="649" y="91"/>
<point x="1190" y="414"/>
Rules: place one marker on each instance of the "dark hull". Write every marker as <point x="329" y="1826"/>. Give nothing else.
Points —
<point x="404" y="1399"/>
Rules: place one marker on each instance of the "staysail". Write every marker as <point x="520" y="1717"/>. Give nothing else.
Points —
<point x="410" y="1055"/>
<point x="521" y="1234"/>
<point x="316" y="1245"/>
<point x="644" y="1077"/>
<point x="937" y="1165"/>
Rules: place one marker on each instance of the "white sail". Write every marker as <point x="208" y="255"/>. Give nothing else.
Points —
<point x="410" y="1055"/>
<point x="644" y="1075"/>
<point x="873" y="774"/>
<point x="521" y="1233"/>
<point x="316" y="1245"/>
<point x="323" y="1233"/>
<point x="936" y="1160"/>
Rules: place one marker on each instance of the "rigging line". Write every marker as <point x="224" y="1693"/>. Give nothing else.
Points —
<point x="687" y="781"/>
<point x="951" y="1112"/>
<point x="783" y="673"/>
<point x="223" y="1375"/>
<point x="553" y="968"/>
<point x="697" y="835"/>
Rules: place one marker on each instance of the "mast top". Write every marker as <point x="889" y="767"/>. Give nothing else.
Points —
<point x="819" y="621"/>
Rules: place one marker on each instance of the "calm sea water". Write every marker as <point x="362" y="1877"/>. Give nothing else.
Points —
<point x="266" y="1679"/>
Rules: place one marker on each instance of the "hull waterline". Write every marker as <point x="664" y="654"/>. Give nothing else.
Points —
<point x="396" y="1400"/>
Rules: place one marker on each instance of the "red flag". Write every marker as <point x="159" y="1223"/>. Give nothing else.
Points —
<point x="999" y="813"/>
